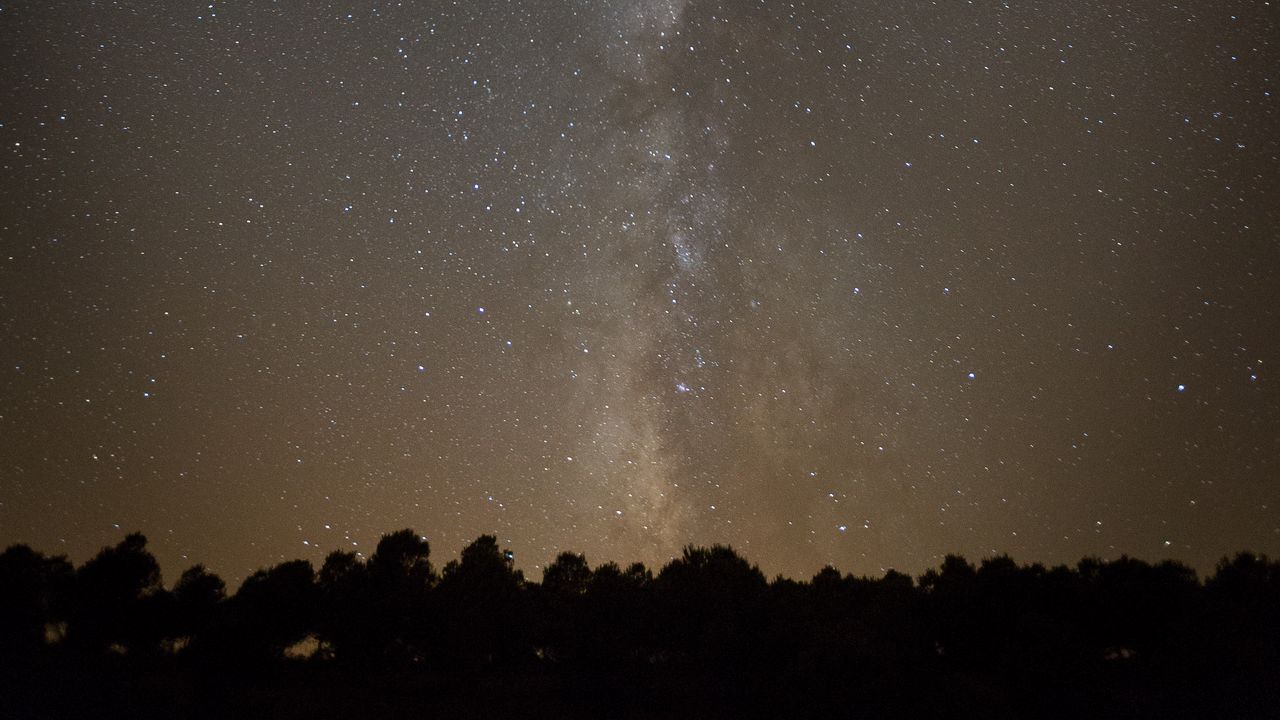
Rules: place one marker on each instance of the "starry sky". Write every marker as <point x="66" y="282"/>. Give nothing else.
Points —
<point x="860" y="283"/>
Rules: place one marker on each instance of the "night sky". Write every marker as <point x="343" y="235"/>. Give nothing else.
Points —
<point x="861" y="283"/>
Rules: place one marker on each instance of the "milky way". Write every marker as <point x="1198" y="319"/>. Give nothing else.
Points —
<point x="833" y="282"/>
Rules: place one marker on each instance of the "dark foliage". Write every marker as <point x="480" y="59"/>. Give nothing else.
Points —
<point x="34" y="595"/>
<point x="708" y="636"/>
<point x="118" y="600"/>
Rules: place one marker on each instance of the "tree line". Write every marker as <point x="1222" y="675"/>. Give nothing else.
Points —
<point x="707" y="635"/>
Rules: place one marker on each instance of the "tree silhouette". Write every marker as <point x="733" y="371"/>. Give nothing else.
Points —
<point x="709" y="601"/>
<point x="344" y="619"/>
<point x="274" y="609"/>
<point x="619" y="620"/>
<point x="559" y="606"/>
<point x="197" y="597"/>
<point x="34" y="594"/>
<point x="401" y="562"/>
<point x="399" y="579"/>
<point x="708" y="636"/>
<point x="568" y="576"/>
<point x="1240" y="627"/>
<point x="481" y="613"/>
<point x="116" y="594"/>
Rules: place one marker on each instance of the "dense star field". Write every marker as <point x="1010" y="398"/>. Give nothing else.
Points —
<point x="860" y="283"/>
